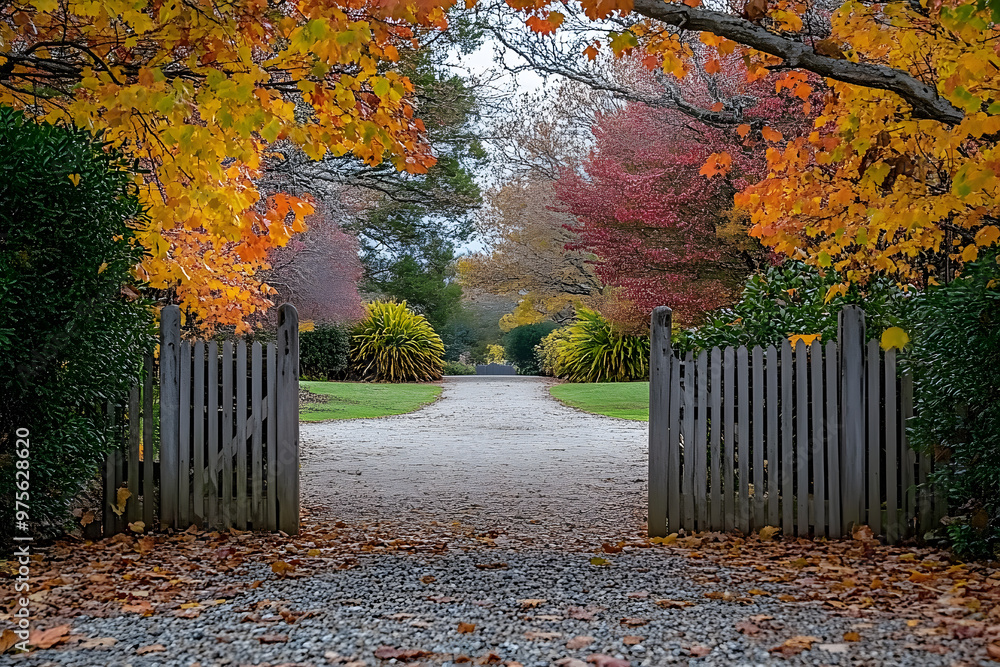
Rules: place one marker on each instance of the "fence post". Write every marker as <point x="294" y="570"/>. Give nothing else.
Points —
<point x="287" y="454"/>
<point x="170" y="344"/>
<point x="660" y="356"/>
<point x="851" y="334"/>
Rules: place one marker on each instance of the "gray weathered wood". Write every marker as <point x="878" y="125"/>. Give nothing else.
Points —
<point x="833" y="440"/>
<point x="256" y="440"/>
<point x="874" y="445"/>
<point x="715" y="450"/>
<point x="907" y="455"/>
<point x="110" y="490"/>
<point x="184" y="440"/>
<point x="851" y="337"/>
<point x="743" y="439"/>
<point x="787" y="437"/>
<point x="700" y="444"/>
<point x="729" y="444"/>
<point x="818" y="436"/>
<point x="134" y="436"/>
<point x="891" y="450"/>
<point x="212" y="424"/>
<point x="148" y="483"/>
<point x="925" y="495"/>
<point x="801" y="439"/>
<point x="674" y="448"/>
<point x="170" y="342"/>
<point x="773" y="460"/>
<point x="687" y="435"/>
<point x="270" y="497"/>
<point x="198" y="437"/>
<point x="288" y="420"/>
<point x="660" y="355"/>
<point x="226" y="513"/>
<point x="757" y="473"/>
<point x="242" y="501"/>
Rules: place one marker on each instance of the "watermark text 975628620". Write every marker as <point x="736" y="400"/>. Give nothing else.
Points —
<point x="22" y="538"/>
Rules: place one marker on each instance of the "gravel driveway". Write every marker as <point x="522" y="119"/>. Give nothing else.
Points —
<point x="494" y="451"/>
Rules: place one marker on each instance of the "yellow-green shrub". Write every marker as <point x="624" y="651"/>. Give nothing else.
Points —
<point x="394" y="344"/>
<point x="548" y="353"/>
<point x="595" y="352"/>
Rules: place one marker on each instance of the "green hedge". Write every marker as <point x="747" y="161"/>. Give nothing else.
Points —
<point x="69" y="340"/>
<point x="324" y="353"/>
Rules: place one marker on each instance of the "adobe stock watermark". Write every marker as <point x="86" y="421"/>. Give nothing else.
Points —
<point x="22" y="538"/>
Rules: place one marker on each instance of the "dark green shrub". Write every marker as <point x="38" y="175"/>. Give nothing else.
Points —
<point x="69" y="340"/>
<point x="956" y="363"/>
<point x="394" y="344"/>
<point x="458" y="368"/>
<point x="791" y="299"/>
<point x="595" y="351"/>
<point x="324" y="352"/>
<point x="519" y="345"/>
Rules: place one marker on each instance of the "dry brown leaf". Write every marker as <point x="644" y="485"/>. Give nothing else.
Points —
<point x="50" y="637"/>
<point x="568" y="662"/>
<point x="632" y="640"/>
<point x="491" y="566"/>
<point x="466" y="628"/>
<point x="578" y="642"/>
<point x="667" y="603"/>
<point x="852" y="637"/>
<point x="581" y="613"/>
<point x="748" y="627"/>
<point x="767" y="533"/>
<point x="390" y="653"/>
<point x="442" y="599"/>
<point x="7" y="639"/>
<point x="755" y="10"/>
<point x="638" y="595"/>
<point x="699" y="651"/>
<point x="795" y="645"/>
<point x="543" y="636"/>
<point x="531" y="603"/>
<point x="601" y="660"/>
<point x="152" y="648"/>
<point x="281" y="568"/>
<point x="634" y="622"/>
<point x="272" y="639"/>
<point x="993" y="651"/>
<point x="428" y="579"/>
<point x="101" y="642"/>
<point x="87" y="518"/>
<point x="490" y="658"/>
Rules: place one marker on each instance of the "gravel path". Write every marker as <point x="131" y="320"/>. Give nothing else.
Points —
<point x="494" y="451"/>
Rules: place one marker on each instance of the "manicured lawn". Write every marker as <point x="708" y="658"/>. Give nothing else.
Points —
<point x="362" y="400"/>
<point x="626" y="400"/>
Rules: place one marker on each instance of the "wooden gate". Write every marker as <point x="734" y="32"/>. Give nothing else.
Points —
<point x="811" y="439"/>
<point x="226" y="454"/>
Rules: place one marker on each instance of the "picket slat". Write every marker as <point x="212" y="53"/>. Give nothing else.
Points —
<point x="818" y="452"/>
<point x="241" y="435"/>
<point x="687" y="434"/>
<point x="757" y="473"/>
<point x="801" y="439"/>
<point x="743" y="439"/>
<point x="184" y="440"/>
<point x="659" y="428"/>
<point x="170" y="340"/>
<point x="212" y="425"/>
<point x="772" y="436"/>
<point x="198" y="421"/>
<point x="134" y="434"/>
<point x="674" y="449"/>
<point x="873" y="476"/>
<point x="271" y="496"/>
<point x="891" y="450"/>
<point x="833" y="440"/>
<point x="288" y="420"/>
<point x="148" y="483"/>
<point x="700" y="444"/>
<point x="715" y="464"/>
<point x="257" y="484"/>
<point x="729" y="450"/>
<point x="851" y="337"/>
<point x="787" y="453"/>
<point x="226" y="446"/>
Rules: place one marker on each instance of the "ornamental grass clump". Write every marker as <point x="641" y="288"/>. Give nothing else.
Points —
<point x="394" y="344"/>
<point x="594" y="351"/>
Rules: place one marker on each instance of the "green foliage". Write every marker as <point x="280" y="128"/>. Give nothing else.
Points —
<point x="787" y="300"/>
<point x="394" y="344"/>
<point x="596" y="352"/>
<point x="458" y="368"/>
<point x="69" y="340"/>
<point x="547" y="355"/>
<point x="424" y="278"/>
<point x="956" y="364"/>
<point x="495" y="354"/>
<point x="519" y="345"/>
<point x="324" y="352"/>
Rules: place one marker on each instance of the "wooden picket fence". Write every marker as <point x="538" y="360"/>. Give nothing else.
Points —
<point x="227" y="451"/>
<point x="810" y="439"/>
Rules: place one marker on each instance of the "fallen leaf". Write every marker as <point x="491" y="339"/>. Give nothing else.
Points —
<point x="578" y="642"/>
<point x="137" y="526"/>
<point x="567" y="662"/>
<point x="993" y="650"/>
<point x="767" y="533"/>
<point x="795" y="645"/>
<point x="602" y="660"/>
<point x="609" y="548"/>
<point x="581" y="613"/>
<point x="544" y="636"/>
<point x="632" y="640"/>
<point x="466" y="628"/>
<point x="667" y="603"/>
<point x="852" y="637"/>
<point x="490" y="658"/>
<point x="427" y="579"/>
<point x="597" y="560"/>
<point x="389" y="653"/>
<point x="634" y="622"/>
<point x="101" y="642"/>
<point x="152" y="648"/>
<point x="531" y="603"/>
<point x="272" y="639"/>
<point x="862" y="533"/>
<point x="491" y="566"/>
<point x="281" y="568"/>
<point x="87" y="518"/>
<point x="699" y="651"/>
<point x="7" y="639"/>
<point x="123" y="495"/>
<point x="747" y="627"/>
<point x="638" y="595"/>
<point x="50" y="637"/>
<point x="442" y="599"/>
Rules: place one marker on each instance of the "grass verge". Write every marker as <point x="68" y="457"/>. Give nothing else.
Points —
<point x="364" y="400"/>
<point x="625" y="400"/>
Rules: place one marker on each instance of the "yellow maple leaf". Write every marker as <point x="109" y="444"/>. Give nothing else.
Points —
<point x="894" y="337"/>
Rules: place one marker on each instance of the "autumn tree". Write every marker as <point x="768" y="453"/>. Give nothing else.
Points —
<point x="197" y="92"/>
